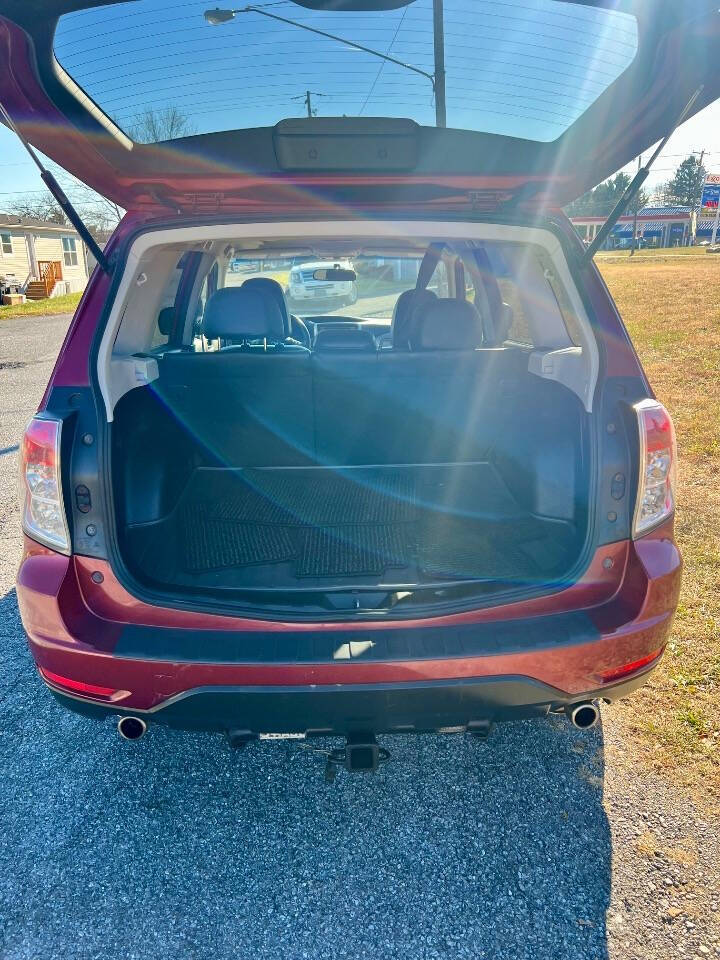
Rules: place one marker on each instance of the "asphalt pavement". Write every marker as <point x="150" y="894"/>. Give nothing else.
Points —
<point x="527" y="846"/>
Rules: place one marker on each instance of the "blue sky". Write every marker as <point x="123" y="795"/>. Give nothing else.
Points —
<point x="512" y="65"/>
<point x="526" y="70"/>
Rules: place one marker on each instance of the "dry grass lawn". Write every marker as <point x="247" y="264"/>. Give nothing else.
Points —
<point x="672" y="310"/>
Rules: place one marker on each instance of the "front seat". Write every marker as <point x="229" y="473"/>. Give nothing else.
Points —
<point x="247" y="319"/>
<point x="447" y="325"/>
<point x="294" y="326"/>
<point x="405" y="312"/>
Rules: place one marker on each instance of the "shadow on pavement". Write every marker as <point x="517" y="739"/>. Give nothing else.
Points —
<point x="177" y="846"/>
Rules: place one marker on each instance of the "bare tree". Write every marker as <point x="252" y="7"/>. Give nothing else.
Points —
<point x="33" y="206"/>
<point x="98" y="212"/>
<point x="166" y="123"/>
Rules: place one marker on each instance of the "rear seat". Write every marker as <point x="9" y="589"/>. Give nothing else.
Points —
<point x="346" y="403"/>
<point x="250" y="402"/>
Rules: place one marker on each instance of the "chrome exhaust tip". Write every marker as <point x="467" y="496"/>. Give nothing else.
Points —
<point x="131" y="728"/>
<point x="584" y="715"/>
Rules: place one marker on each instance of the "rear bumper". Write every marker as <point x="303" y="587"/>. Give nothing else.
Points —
<point x="446" y="706"/>
<point x="205" y="671"/>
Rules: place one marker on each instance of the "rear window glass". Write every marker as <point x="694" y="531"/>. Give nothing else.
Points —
<point x="522" y="68"/>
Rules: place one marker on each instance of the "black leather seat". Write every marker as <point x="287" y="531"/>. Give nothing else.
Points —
<point x="404" y="315"/>
<point x="294" y="326"/>
<point x="251" y="401"/>
<point x="446" y="325"/>
<point x="247" y="319"/>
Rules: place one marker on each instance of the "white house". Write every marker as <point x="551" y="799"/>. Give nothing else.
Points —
<point x="40" y="258"/>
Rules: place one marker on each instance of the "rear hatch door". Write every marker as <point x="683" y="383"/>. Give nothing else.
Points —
<point x="159" y="109"/>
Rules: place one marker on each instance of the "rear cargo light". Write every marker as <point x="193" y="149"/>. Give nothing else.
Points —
<point x="610" y="676"/>
<point x="658" y="464"/>
<point x="43" y="516"/>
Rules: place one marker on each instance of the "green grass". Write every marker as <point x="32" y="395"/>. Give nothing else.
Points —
<point x="674" y="320"/>
<point x="33" y="308"/>
<point x="662" y="253"/>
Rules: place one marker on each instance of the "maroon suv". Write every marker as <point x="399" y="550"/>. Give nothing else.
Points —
<point x="445" y="504"/>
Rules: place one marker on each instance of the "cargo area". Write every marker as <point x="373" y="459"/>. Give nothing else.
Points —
<point x="325" y="473"/>
<point x="419" y="430"/>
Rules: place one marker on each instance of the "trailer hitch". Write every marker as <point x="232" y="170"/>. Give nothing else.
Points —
<point x="361" y="754"/>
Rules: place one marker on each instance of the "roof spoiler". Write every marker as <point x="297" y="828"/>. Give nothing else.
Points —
<point x="56" y="190"/>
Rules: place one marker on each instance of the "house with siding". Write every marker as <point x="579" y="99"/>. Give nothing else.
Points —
<point x="40" y="258"/>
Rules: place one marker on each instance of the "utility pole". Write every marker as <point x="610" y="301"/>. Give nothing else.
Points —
<point x="308" y="102"/>
<point x="698" y="205"/>
<point x="634" y="240"/>
<point x="439" y="75"/>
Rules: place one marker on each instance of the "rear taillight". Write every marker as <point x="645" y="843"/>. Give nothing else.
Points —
<point x="43" y="512"/>
<point x="658" y="465"/>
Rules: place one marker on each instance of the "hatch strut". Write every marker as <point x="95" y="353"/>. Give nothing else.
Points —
<point x="634" y="185"/>
<point x="56" y="190"/>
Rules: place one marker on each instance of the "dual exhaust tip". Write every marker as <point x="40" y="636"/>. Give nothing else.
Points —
<point x="583" y="715"/>
<point x="131" y="728"/>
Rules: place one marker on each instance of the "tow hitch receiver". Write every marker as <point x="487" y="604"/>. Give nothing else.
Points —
<point x="361" y="754"/>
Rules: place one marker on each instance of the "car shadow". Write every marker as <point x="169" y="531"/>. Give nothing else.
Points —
<point x="178" y="846"/>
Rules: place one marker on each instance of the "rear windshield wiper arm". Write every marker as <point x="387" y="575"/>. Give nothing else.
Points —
<point x="57" y="191"/>
<point x="634" y="186"/>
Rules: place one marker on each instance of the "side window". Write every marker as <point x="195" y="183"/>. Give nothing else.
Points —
<point x="208" y="288"/>
<point x="439" y="280"/>
<point x="519" y="329"/>
<point x="562" y="299"/>
<point x="69" y="251"/>
<point x="6" y="243"/>
<point x="166" y="317"/>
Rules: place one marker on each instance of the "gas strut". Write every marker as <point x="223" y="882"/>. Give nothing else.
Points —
<point x="57" y="191"/>
<point x="632" y="188"/>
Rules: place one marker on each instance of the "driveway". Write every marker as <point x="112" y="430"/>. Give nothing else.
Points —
<point x="541" y="843"/>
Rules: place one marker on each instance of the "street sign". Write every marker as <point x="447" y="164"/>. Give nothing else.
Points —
<point x="711" y="196"/>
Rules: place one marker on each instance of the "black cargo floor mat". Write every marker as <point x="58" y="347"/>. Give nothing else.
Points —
<point x="261" y="496"/>
<point x="353" y="550"/>
<point x="211" y="544"/>
<point x="457" y="549"/>
<point x="265" y="528"/>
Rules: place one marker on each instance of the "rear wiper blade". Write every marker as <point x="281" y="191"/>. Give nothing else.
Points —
<point x="634" y="186"/>
<point x="57" y="191"/>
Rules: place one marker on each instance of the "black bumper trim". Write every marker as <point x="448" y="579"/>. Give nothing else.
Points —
<point x="327" y="646"/>
<point x="425" y="706"/>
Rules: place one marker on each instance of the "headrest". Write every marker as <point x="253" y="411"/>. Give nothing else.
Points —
<point x="404" y="313"/>
<point x="239" y="313"/>
<point x="273" y="288"/>
<point x="335" y="341"/>
<point x="448" y="325"/>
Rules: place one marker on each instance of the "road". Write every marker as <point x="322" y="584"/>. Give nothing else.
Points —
<point x="542" y="843"/>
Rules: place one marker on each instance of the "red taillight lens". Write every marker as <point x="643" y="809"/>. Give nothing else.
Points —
<point x="610" y="676"/>
<point x="658" y="467"/>
<point x="43" y="515"/>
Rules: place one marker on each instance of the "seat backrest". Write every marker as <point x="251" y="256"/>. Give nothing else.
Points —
<point x="245" y="408"/>
<point x="241" y="314"/>
<point x="404" y="312"/>
<point x="294" y="326"/>
<point x="446" y="325"/>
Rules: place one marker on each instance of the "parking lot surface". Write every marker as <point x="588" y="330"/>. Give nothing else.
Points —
<point x="543" y="842"/>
